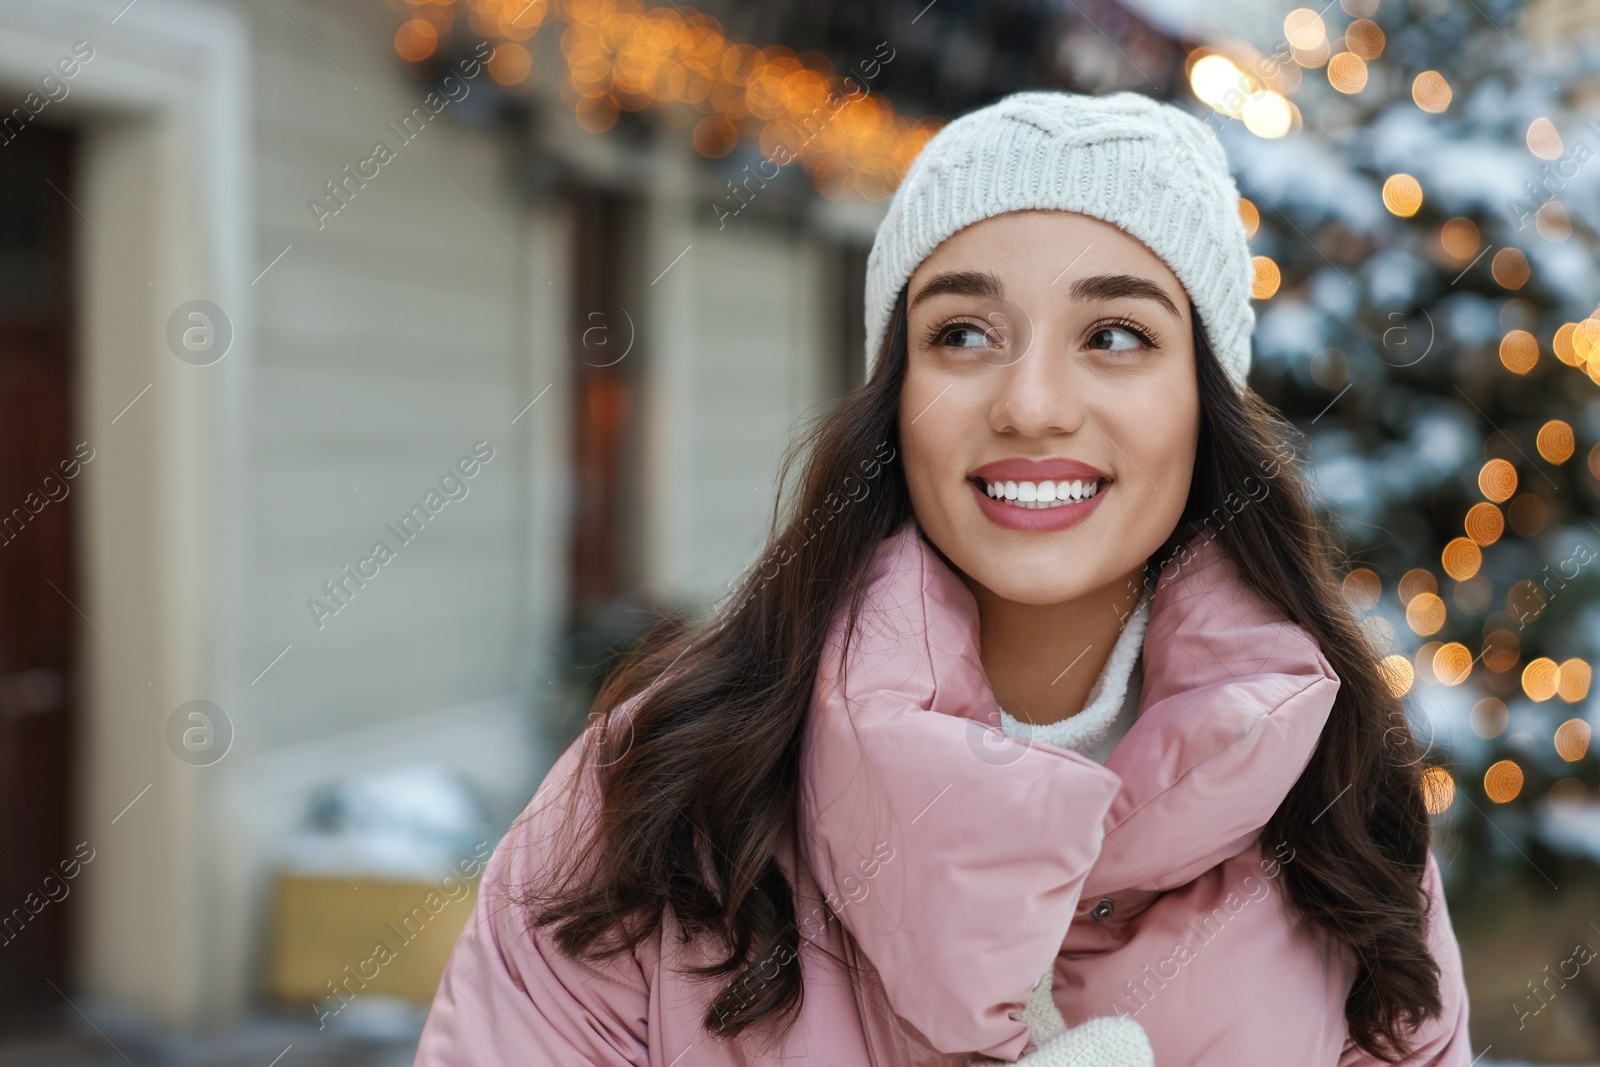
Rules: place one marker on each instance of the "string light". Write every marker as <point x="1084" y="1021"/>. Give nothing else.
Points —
<point x="621" y="56"/>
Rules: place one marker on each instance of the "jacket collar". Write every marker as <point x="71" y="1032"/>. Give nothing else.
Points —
<point x="960" y="859"/>
<point x="1232" y="702"/>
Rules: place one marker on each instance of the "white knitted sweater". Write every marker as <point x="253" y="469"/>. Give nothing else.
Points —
<point x="1113" y="701"/>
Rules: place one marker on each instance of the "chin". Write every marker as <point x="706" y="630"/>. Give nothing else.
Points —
<point x="1019" y="582"/>
<point x="1034" y="594"/>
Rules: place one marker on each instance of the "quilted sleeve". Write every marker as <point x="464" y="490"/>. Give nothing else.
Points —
<point x="509" y="997"/>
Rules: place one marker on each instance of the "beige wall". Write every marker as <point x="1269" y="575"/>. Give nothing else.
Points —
<point x="377" y="350"/>
<point x="391" y="338"/>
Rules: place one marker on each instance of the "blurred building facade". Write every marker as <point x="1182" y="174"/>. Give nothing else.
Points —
<point x="620" y="373"/>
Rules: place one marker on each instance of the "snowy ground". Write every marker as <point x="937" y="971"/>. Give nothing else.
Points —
<point x="385" y="1037"/>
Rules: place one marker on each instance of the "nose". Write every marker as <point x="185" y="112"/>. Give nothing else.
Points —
<point x="1034" y="393"/>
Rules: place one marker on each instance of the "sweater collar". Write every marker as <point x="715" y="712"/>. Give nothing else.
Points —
<point x="1114" y="692"/>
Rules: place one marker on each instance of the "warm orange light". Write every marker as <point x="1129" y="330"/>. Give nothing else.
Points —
<point x="1576" y="342"/>
<point x="1364" y="38"/>
<point x="1572" y="740"/>
<point x="1431" y="91"/>
<point x="1347" y="72"/>
<point x="1564" y="344"/>
<point x="1572" y="683"/>
<point x="415" y="40"/>
<point x="1544" y="140"/>
<point x="1503" y="781"/>
<point x="1498" y="480"/>
<point x="1397" y="673"/>
<point x="510" y="64"/>
<point x="1425" y="614"/>
<point x="1251" y="216"/>
<point x="1556" y="442"/>
<point x="1519" y="351"/>
<point x="1303" y="28"/>
<point x="1540" y="678"/>
<point x="1510" y="268"/>
<point x="1438" y="789"/>
<point x="622" y="56"/>
<point x="1452" y="663"/>
<point x="1267" y="277"/>
<point x="1402" y="194"/>
<point x="1461" y="558"/>
<point x="1484" y="523"/>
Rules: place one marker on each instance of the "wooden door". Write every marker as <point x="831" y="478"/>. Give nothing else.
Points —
<point x="40" y="465"/>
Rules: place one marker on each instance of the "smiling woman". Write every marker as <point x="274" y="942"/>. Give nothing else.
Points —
<point x="1087" y="519"/>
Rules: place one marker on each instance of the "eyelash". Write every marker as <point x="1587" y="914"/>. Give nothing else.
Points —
<point x="1150" y="339"/>
<point x="938" y="330"/>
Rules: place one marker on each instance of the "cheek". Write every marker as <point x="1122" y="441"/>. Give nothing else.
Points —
<point x="940" y="418"/>
<point x="1158" y="433"/>
<point x="920" y="433"/>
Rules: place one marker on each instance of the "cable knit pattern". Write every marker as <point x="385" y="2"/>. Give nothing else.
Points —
<point x="1148" y="167"/>
<point x="1113" y="702"/>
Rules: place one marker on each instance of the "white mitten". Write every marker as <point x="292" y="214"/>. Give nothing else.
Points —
<point x="1104" y="1041"/>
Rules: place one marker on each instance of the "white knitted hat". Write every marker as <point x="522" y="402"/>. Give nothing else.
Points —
<point x="1150" y="168"/>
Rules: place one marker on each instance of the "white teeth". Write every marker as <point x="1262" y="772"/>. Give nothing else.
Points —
<point x="1042" y="494"/>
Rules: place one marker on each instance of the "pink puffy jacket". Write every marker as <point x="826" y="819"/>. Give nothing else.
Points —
<point x="953" y="864"/>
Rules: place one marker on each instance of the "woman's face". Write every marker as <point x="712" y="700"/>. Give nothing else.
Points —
<point x="1050" y="412"/>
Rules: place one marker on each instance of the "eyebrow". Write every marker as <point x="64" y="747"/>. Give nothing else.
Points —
<point x="982" y="283"/>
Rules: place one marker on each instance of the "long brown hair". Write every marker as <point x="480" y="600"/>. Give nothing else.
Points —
<point x="698" y="796"/>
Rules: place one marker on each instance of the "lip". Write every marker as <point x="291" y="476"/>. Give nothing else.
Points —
<point x="1036" y="520"/>
<point x="1020" y="469"/>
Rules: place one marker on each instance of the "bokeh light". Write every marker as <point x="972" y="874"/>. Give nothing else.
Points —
<point x="1438" y="790"/>
<point x="1431" y="91"/>
<point x="1267" y="277"/>
<point x="1503" y="781"/>
<point x="1540" y="678"/>
<point x="1572" y="740"/>
<point x="1497" y="480"/>
<point x="1397" y="673"/>
<point x="1489" y="718"/>
<point x="1556" y="442"/>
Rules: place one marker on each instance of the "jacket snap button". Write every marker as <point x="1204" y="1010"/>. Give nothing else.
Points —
<point x="1102" y="910"/>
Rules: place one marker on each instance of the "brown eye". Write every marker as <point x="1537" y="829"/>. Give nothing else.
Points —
<point x="1119" y="338"/>
<point x="966" y="335"/>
